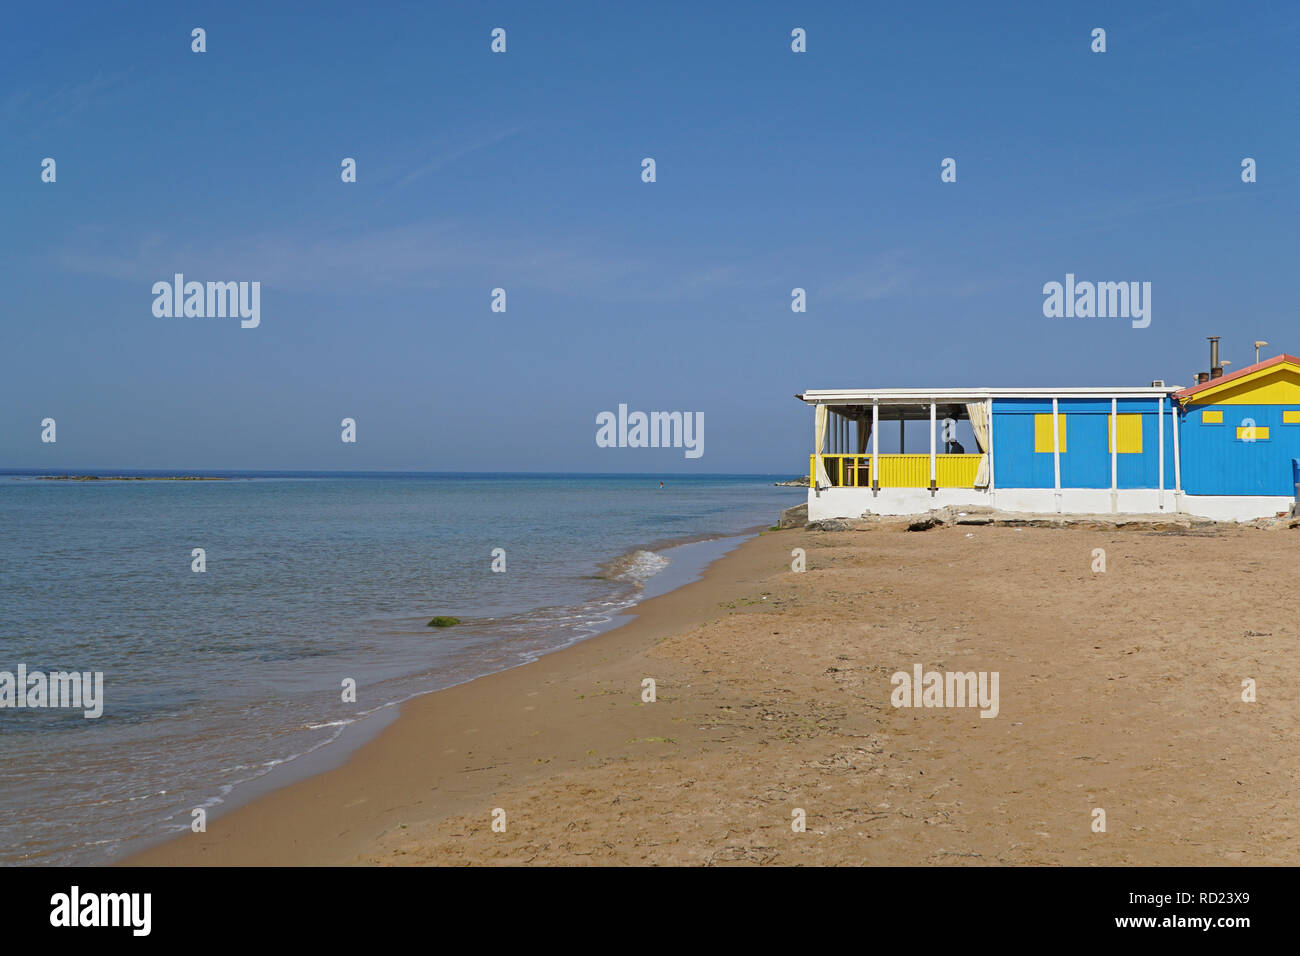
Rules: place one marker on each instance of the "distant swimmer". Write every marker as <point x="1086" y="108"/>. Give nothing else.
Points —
<point x="661" y="484"/>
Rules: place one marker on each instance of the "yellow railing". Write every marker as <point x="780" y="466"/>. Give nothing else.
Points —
<point x="898" y="471"/>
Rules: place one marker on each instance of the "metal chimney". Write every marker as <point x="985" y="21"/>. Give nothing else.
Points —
<point x="1216" y="370"/>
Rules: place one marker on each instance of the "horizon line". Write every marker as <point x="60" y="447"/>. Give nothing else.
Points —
<point x="80" y="472"/>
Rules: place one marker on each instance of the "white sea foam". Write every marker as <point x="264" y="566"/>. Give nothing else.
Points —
<point x="638" y="566"/>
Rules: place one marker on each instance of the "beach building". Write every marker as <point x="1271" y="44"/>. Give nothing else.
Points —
<point x="1240" y="433"/>
<point x="1219" y="449"/>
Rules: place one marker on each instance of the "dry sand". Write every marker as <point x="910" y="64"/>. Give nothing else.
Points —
<point x="1118" y="690"/>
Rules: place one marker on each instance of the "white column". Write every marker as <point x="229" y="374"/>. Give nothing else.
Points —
<point x="1178" y="461"/>
<point x="1114" y="455"/>
<point x="1114" y="444"/>
<point x="875" y="443"/>
<point x="1056" y="449"/>
<point x="932" y="437"/>
<point x="1160" y="417"/>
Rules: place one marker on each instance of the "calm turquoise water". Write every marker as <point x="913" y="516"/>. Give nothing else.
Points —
<point x="215" y="680"/>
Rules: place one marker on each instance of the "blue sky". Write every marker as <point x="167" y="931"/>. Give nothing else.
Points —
<point x="478" y="170"/>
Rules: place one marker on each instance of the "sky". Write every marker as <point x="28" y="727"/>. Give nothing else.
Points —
<point x="522" y="170"/>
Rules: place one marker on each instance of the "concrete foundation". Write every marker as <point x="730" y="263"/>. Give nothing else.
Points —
<point x="857" y="502"/>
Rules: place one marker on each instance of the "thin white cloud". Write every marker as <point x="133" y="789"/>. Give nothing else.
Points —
<point x="26" y="111"/>
<point x="887" y="276"/>
<point x="419" y="255"/>
<point x="449" y="157"/>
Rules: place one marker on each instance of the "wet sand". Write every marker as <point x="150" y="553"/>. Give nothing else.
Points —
<point x="1118" y="690"/>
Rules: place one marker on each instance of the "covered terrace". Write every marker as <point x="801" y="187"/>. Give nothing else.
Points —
<point x="848" y="427"/>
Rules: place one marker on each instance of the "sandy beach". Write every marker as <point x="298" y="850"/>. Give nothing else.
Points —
<point x="1119" y="690"/>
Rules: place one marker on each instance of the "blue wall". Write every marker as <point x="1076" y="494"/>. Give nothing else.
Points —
<point x="1216" y="462"/>
<point x="1086" y="461"/>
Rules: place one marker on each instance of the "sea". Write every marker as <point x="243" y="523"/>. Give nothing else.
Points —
<point x="223" y="683"/>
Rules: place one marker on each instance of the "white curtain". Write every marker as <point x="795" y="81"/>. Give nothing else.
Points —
<point x="978" y="413"/>
<point x="820" y="417"/>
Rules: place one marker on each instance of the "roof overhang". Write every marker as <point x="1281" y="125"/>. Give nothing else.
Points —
<point x="949" y="396"/>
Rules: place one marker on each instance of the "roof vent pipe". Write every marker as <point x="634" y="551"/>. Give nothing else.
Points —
<point x="1216" y="370"/>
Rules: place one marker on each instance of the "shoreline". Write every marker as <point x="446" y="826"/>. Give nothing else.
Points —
<point x="335" y="758"/>
<point x="230" y="685"/>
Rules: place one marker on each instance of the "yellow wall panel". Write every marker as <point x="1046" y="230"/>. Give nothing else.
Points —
<point x="1129" y="434"/>
<point x="1211" y="417"/>
<point x="1252" y="432"/>
<point x="1291" y="417"/>
<point x="1043" y="433"/>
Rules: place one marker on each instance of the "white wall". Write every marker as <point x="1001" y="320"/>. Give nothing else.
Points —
<point x="856" y="502"/>
<point x="1235" y="507"/>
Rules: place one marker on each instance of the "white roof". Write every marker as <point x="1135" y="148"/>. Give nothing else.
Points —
<point x="910" y="396"/>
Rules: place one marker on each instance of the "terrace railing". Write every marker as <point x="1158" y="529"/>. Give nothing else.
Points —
<point x="898" y="471"/>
